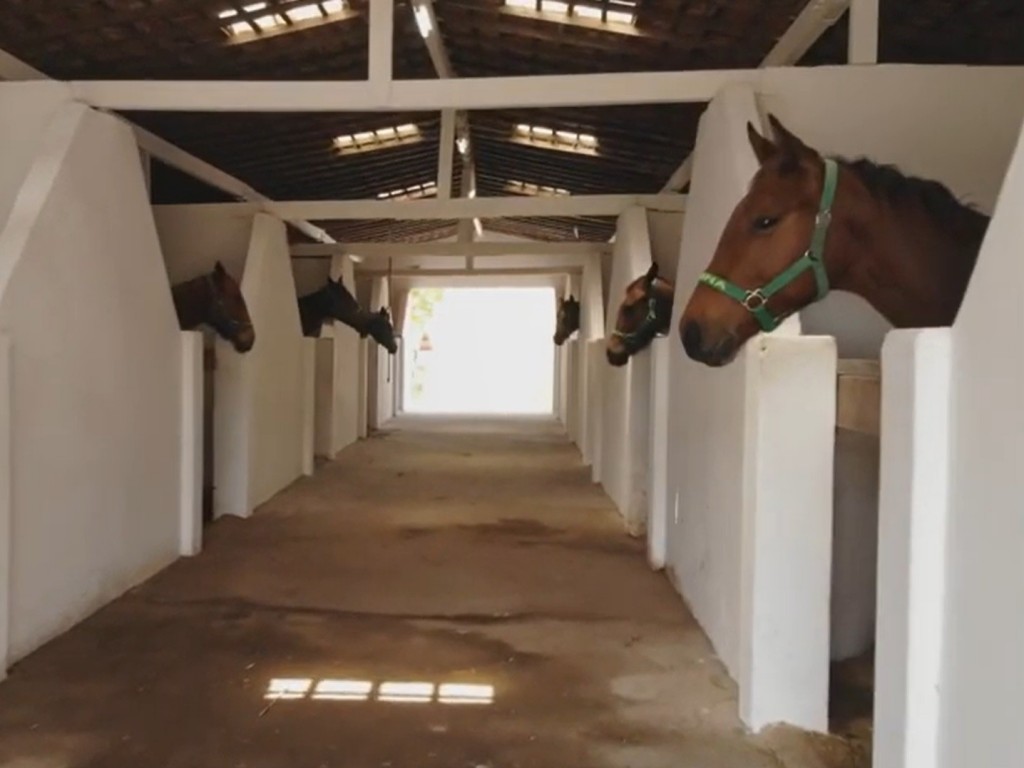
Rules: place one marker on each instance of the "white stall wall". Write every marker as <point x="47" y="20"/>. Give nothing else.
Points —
<point x="626" y="389"/>
<point x="384" y="365"/>
<point x="590" y="362"/>
<point x="708" y="408"/>
<point x="25" y="108"/>
<point x="195" y="237"/>
<point x="666" y="230"/>
<point x="96" y="379"/>
<point x="275" y="364"/>
<point x="746" y="533"/>
<point x="888" y="128"/>
<point x="982" y="671"/>
<point x="347" y="371"/>
<point x="574" y="372"/>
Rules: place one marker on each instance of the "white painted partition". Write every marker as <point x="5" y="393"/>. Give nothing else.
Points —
<point x="948" y="673"/>
<point x="750" y="470"/>
<point x="982" y="671"/>
<point x="885" y="121"/>
<point x="308" y="405"/>
<point x="591" y="362"/>
<point x="94" y="380"/>
<point x="625" y="404"/>
<point x="191" y="510"/>
<point x="912" y="517"/>
<point x="25" y="109"/>
<point x="275" y="372"/>
<point x="347" y="367"/>
<point x="6" y="498"/>
<point x="260" y="420"/>
<point x="324" y="401"/>
<point x="657" y="470"/>
<point x="786" y="550"/>
<point x="380" y="364"/>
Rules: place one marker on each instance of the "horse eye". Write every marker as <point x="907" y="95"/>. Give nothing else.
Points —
<point x="764" y="223"/>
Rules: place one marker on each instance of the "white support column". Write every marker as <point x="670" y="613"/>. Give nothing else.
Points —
<point x="863" y="41"/>
<point x="382" y="30"/>
<point x="6" y="501"/>
<point x="446" y="154"/>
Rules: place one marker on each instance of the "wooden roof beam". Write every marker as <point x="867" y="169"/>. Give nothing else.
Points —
<point x="435" y="95"/>
<point x="458" y="208"/>
<point x="479" y="248"/>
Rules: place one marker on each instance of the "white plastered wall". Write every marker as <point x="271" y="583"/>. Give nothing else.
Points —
<point x="95" y="378"/>
<point x="948" y="674"/>
<point x="348" y="373"/>
<point x="276" y="367"/>
<point x="260" y="413"/>
<point x="705" y="531"/>
<point x="573" y="377"/>
<point x="982" y="674"/>
<point x="666" y="230"/>
<point x="590" y="362"/>
<point x="386" y="366"/>
<point x="747" y="544"/>
<point x="626" y="389"/>
<point x="884" y="123"/>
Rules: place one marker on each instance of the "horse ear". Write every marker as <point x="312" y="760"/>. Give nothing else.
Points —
<point x="763" y="148"/>
<point x="652" y="272"/>
<point x="789" y="142"/>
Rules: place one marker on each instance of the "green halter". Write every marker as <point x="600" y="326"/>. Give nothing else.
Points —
<point x="756" y="300"/>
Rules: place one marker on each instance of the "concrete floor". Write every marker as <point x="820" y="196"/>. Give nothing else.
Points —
<point x="433" y="555"/>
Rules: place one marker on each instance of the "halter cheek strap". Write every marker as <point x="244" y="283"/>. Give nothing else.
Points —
<point x="756" y="300"/>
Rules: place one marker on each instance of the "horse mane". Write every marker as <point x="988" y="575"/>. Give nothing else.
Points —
<point x="886" y="182"/>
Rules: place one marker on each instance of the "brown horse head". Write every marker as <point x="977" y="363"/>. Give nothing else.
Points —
<point x="645" y="312"/>
<point x="228" y="313"/>
<point x="215" y="299"/>
<point x="568" y="321"/>
<point x="771" y="258"/>
<point x="379" y="326"/>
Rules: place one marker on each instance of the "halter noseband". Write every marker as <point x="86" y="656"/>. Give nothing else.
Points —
<point x="756" y="301"/>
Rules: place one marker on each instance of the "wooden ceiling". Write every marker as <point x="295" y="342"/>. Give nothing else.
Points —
<point x="292" y="156"/>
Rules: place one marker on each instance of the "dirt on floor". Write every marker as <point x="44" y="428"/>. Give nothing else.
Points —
<point x="478" y="555"/>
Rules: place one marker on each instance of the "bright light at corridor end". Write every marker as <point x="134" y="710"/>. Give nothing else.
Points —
<point x="394" y="692"/>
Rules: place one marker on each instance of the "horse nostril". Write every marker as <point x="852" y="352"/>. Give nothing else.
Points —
<point x="692" y="338"/>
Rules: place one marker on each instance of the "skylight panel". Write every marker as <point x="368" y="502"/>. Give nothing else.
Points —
<point x="381" y="138"/>
<point x="414" y="192"/>
<point x="535" y="190"/>
<point x="255" y="20"/>
<point x="609" y="13"/>
<point x="548" y="138"/>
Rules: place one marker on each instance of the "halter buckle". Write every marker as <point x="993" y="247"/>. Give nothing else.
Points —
<point x="754" y="300"/>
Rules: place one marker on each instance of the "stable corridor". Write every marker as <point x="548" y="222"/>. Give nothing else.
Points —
<point x="475" y="559"/>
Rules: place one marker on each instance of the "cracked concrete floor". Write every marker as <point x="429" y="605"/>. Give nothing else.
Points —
<point x="433" y="555"/>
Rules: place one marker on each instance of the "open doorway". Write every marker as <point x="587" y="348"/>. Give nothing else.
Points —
<point x="479" y="351"/>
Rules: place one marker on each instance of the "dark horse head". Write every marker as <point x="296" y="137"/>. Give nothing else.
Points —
<point x="215" y="299"/>
<point x="334" y="301"/>
<point x="568" y="321"/>
<point x="809" y="224"/>
<point x="645" y="312"/>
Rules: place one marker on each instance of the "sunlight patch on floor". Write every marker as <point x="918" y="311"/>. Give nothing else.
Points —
<point x="292" y="689"/>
